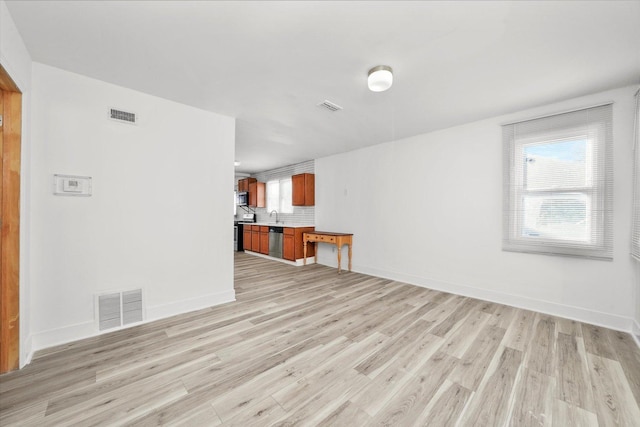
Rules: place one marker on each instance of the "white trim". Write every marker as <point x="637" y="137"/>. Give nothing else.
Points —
<point x="299" y="262"/>
<point x="611" y="321"/>
<point x="192" y="304"/>
<point x="27" y="354"/>
<point x="634" y="249"/>
<point x="573" y="110"/>
<point x="58" y="336"/>
<point x="635" y="332"/>
<point x="53" y="337"/>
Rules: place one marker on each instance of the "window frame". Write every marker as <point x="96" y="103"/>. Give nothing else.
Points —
<point x="635" y="215"/>
<point x="596" y="193"/>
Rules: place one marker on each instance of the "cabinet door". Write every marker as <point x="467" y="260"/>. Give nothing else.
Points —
<point x="264" y="242"/>
<point x="257" y="197"/>
<point x="253" y="195"/>
<point x="303" y="189"/>
<point x="243" y="184"/>
<point x="255" y="239"/>
<point x="246" y="241"/>
<point x="288" y="247"/>
<point x="261" y="199"/>
<point x="297" y="190"/>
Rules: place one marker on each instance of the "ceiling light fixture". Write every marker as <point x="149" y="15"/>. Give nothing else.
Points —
<point x="236" y="163"/>
<point x="380" y="78"/>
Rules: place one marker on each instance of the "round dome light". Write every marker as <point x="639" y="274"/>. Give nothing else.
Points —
<point x="380" y="78"/>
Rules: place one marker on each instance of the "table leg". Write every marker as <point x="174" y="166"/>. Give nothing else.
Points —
<point x="304" y="253"/>
<point x="339" y="257"/>
<point x="349" y="256"/>
<point x="315" y="253"/>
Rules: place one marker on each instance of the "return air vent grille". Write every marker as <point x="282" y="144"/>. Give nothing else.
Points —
<point x="132" y="307"/>
<point x="109" y="311"/>
<point x="122" y="116"/>
<point x="119" y="309"/>
<point x="328" y="105"/>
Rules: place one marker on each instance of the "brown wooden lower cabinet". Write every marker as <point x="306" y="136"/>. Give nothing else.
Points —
<point x="292" y="243"/>
<point x="264" y="240"/>
<point x="288" y="244"/>
<point x="246" y="237"/>
<point x="255" y="238"/>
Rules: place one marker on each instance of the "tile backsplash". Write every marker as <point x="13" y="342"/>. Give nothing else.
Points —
<point x="301" y="214"/>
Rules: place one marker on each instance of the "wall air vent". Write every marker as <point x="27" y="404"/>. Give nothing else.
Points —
<point x="119" y="309"/>
<point x="132" y="306"/>
<point x="122" y="116"/>
<point x="328" y="105"/>
<point x="109" y="311"/>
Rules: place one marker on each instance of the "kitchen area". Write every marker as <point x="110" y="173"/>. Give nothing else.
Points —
<point x="273" y="210"/>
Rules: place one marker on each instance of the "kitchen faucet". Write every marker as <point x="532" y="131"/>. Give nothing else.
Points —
<point x="271" y="213"/>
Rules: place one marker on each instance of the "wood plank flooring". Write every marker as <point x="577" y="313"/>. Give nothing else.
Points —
<point x="306" y="346"/>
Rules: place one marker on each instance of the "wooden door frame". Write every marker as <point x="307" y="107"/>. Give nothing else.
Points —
<point x="10" y="210"/>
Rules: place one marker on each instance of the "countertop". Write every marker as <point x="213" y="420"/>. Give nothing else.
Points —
<point x="285" y="225"/>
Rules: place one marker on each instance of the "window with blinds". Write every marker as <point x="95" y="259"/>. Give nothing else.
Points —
<point x="635" y="233"/>
<point x="558" y="184"/>
<point x="279" y="194"/>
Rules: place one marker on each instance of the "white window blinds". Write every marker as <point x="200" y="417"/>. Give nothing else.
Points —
<point x="273" y="195"/>
<point x="635" y="234"/>
<point x="558" y="184"/>
<point x="279" y="194"/>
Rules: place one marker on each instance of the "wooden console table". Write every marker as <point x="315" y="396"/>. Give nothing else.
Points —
<point x="338" y="239"/>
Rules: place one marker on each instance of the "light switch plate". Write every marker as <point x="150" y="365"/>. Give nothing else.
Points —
<point x="71" y="185"/>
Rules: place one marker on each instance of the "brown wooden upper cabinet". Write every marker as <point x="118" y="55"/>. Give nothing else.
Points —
<point x="257" y="197"/>
<point x="303" y="189"/>
<point x="243" y="184"/>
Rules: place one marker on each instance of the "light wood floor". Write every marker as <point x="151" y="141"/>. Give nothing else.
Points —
<point x="305" y="346"/>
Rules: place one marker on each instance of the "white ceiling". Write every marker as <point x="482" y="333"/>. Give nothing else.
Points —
<point x="269" y="63"/>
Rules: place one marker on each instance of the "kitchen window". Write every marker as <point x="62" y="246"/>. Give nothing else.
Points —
<point x="558" y="184"/>
<point x="279" y="196"/>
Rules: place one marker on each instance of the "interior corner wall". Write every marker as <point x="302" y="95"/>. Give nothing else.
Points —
<point x="159" y="217"/>
<point x="16" y="60"/>
<point x="427" y="210"/>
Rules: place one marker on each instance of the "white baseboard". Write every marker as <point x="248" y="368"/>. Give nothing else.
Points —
<point x="66" y="334"/>
<point x="299" y="262"/>
<point x="53" y="337"/>
<point x="635" y="331"/>
<point x="26" y="353"/>
<point x="607" y="320"/>
<point x="192" y="304"/>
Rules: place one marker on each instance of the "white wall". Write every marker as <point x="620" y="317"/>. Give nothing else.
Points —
<point x="160" y="214"/>
<point x="428" y="210"/>
<point x="16" y="60"/>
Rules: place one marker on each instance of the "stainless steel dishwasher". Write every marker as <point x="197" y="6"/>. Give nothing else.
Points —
<point x="275" y="242"/>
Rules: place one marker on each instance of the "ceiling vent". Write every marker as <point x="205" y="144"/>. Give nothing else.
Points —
<point x="328" y="105"/>
<point x="122" y="116"/>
